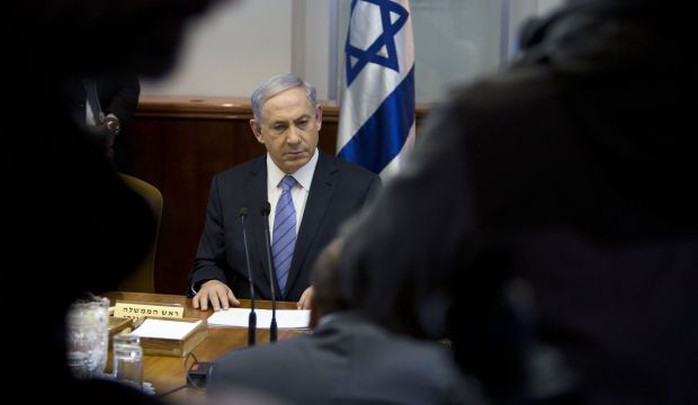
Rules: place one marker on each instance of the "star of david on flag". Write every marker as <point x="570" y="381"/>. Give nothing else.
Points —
<point x="377" y="110"/>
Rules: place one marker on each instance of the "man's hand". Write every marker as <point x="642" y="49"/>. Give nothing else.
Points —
<point x="306" y="298"/>
<point x="216" y="292"/>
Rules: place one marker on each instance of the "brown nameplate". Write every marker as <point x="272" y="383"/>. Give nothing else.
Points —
<point x="135" y="310"/>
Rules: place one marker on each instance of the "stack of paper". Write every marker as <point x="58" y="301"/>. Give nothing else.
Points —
<point x="285" y="318"/>
<point x="170" y="337"/>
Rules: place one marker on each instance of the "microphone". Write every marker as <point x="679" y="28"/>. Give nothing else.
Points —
<point x="266" y="209"/>
<point x="252" y="322"/>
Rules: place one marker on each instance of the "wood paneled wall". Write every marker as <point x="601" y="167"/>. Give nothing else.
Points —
<point x="178" y="144"/>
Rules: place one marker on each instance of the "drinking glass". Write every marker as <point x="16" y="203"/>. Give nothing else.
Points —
<point x="120" y="340"/>
<point x="88" y="337"/>
<point x="128" y="364"/>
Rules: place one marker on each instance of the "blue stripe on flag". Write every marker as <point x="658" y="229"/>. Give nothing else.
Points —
<point x="381" y="137"/>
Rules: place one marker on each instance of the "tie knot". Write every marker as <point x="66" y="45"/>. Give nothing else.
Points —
<point x="287" y="182"/>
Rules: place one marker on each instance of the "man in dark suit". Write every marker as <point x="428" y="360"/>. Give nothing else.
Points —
<point x="327" y="190"/>
<point x="557" y="203"/>
<point x="116" y="100"/>
<point x="346" y="359"/>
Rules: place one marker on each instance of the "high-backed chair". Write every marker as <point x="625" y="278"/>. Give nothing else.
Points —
<point x="143" y="279"/>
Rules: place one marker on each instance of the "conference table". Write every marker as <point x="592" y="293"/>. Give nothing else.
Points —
<point x="168" y="373"/>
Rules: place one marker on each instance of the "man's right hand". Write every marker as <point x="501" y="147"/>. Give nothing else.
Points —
<point x="216" y="292"/>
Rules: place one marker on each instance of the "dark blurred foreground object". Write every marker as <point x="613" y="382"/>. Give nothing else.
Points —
<point x="552" y="216"/>
<point x="74" y="226"/>
<point x="346" y="359"/>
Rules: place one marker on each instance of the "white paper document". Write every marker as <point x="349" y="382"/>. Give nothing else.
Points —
<point x="165" y="329"/>
<point x="285" y="318"/>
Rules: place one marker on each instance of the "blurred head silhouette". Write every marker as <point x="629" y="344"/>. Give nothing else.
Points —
<point x="141" y="36"/>
<point x="50" y="42"/>
<point x="74" y="225"/>
<point x="327" y="296"/>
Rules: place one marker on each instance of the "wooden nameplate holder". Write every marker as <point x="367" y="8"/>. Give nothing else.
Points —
<point x="117" y="325"/>
<point x="177" y="346"/>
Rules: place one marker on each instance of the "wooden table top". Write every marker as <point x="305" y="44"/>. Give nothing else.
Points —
<point x="168" y="373"/>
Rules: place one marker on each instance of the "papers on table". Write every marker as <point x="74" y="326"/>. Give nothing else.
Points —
<point x="165" y="329"/>
<point x="285" y="318"/>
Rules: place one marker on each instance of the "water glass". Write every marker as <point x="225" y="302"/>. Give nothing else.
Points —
<point x="128" y="364"/>
<point x="120" y="340"/>
<point x="88" y="337"/>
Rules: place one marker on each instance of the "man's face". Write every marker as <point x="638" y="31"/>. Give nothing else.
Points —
<point x="289" y="129"/>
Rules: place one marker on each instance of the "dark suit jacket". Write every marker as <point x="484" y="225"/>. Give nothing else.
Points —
<point x="567" y="179"/>
<point x="345" y="360"/>
<point x="339" y="189"/>
<point x="118" y="95"/>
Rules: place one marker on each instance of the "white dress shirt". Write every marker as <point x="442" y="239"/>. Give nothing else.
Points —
<point x="299" y="193"/>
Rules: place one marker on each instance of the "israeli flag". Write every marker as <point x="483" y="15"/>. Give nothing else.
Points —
<point x="377" y="111"/>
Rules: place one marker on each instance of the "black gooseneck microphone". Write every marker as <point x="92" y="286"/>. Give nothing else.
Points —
<point x="252" y="322"/>
<point x="266" y="209"/>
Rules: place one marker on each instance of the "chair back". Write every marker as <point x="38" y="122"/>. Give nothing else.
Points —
<point x="143" y="278"/>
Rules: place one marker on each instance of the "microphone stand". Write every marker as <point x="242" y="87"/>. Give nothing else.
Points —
<point x="273" y="331"/>
<point x="252" y="321"/>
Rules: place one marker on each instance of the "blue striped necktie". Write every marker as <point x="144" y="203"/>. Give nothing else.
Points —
<point x="284" y="232"/>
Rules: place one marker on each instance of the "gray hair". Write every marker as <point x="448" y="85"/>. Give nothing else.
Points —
<point x="275" y="85"/>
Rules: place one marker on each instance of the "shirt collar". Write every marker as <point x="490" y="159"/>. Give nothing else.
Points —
<point x="304" y="175"/>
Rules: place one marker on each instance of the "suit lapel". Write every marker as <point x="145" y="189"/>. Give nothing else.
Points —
<point x="322" y="189"/>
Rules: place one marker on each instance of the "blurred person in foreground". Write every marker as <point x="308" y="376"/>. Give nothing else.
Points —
<point x="323" y="190"/>
<point x="345" y="359"/>
<point x="547" y="221"/>
<point x="74" y="226"/>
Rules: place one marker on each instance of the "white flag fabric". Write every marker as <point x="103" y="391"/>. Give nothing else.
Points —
<point x="377" y="111"/>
